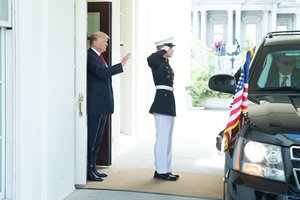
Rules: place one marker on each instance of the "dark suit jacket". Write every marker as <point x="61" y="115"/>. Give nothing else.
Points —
<point x="273" y="81"/>
<point x="100" y="98"/>
<point x="164" y="101"/>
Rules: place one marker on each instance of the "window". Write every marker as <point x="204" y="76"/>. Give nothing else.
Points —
<point x="282" y="28"/>
<point x="250" y="34"/>
<point x="218" y="37"/>
<point x="5" y="13"/>
<point x="218" y="30"/>
<point x="279" y="65"/>
<point x="2" y="112"/>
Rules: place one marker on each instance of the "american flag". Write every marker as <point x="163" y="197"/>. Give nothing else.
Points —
<point x="239" y="107"/>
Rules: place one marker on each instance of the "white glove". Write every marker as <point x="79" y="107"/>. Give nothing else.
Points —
<point x="165" y="48"/>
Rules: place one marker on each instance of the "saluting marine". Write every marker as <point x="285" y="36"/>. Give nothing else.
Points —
<point x="163" y="108"/>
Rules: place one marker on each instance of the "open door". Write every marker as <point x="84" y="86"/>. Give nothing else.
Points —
<point x="99" y="18"/>
<point x="80" y="91"/>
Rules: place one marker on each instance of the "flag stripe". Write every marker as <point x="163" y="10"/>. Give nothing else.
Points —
<point x="239" y="106"/>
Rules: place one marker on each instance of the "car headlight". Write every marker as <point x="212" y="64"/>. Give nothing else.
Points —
<point x="259" y="159"/>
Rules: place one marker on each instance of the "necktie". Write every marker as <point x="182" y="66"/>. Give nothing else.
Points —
<point x="102" y="58"/>
<point x="283" y="82"/>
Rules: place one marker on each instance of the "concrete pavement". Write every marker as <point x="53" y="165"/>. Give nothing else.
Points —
<point x="122" y="195"/>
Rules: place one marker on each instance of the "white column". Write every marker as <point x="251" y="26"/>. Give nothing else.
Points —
<point x="274" y="20"/>
<point x="230" y="26"/>
<point x="265" y="22"/>
<point x="196" y="24"/>
<point x="203" y="26"/>
<point x="238" y="25"/>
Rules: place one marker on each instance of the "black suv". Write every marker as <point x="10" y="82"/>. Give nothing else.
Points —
<point x="265" y="161"/>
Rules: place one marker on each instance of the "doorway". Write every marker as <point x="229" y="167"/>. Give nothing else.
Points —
<point x="99" y="19"/>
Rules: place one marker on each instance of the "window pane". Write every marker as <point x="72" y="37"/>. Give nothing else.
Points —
<point x="2" y="118"/>
<point x="218" y="28"/>
<point x="282" y="28"/>
<point x="251" y="34"/>
<point x="5" y="12"/>
<point x="279" y="64"/>
<point x="93" y="22"/>
<point x="1" y="59"/>
<point x="1" y="164"/>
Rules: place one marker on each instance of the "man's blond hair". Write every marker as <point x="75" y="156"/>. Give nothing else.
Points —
<point x="98" y="34"/>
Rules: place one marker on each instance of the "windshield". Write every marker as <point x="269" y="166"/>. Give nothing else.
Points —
<point x="280" y="70"/>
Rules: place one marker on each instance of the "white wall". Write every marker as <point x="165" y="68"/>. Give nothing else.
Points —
<point x="45" y="104"/>
<point x="44" y="33"/>
<point x="116" y="58"/>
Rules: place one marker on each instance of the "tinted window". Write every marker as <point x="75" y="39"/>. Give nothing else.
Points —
<point x="280" y="67"/>
<point x="277" y="67"/>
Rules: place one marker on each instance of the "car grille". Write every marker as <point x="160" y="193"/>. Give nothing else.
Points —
<point x="295" y="155"/>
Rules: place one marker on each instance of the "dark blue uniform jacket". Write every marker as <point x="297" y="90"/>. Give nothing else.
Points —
<point x="164" y="101"/>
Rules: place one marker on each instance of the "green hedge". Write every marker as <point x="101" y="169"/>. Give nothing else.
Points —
<point x="203" y="66"/>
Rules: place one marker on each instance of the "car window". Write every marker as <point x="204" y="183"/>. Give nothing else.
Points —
<point x="280" y="69"/>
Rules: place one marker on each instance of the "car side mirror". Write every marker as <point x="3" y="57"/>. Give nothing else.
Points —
<point x="222" y="83"/>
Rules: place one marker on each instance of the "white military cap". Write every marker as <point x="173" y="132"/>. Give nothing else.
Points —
<point x="167" y="42"/>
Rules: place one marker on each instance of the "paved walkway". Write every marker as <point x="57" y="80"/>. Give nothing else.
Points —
<point x="122" y="195"/>
<point x="194" y="142"/>
<point x="193" y="151"/>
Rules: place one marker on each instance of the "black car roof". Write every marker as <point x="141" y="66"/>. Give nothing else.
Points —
<point x="282" y="38"/>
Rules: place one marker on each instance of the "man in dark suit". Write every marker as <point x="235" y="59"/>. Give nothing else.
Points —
<point x="100" y="100"/>
<point x="283" y="74"/>
<point x="163" y="108"/>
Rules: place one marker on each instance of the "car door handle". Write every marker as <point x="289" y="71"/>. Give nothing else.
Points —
<point x="80" y="100"/>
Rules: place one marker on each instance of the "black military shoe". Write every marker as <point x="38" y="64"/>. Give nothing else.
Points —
<point x="175" y="175"/>
<point x="165" y="176"/>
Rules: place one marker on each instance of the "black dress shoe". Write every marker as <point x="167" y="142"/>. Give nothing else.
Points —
<point x="165" y="176"/>
<point x="102" y="175"/>
<point x="91" y="176"/>
<point x="175" y="175"/>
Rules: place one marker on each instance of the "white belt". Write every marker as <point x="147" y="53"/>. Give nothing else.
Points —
<point x="164" y="87"/>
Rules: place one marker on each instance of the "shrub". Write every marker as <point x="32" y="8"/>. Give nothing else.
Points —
<point x="203" y="66"/>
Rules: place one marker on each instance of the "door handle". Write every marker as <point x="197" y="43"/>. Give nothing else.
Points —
<point x="80" y="100"/>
